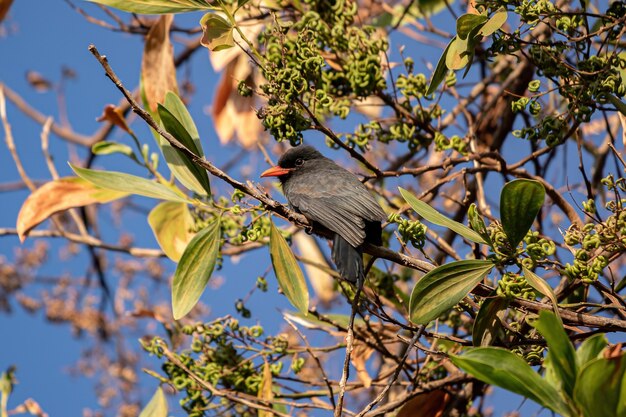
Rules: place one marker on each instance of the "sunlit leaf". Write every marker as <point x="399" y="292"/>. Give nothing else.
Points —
<point x="590" y="349"/>
<point x="217" y="33"/>
<point x="467" y="23"/>
<point x="561" y="354"/>
<point x="477" y="223"/>
<point x="156" y="6"/>
<point x="443" y="288"/>
<point x="107" y="148"/>
<point x="459" y="53"/>
<point x="171" y="224"/>
<point x="505" y="369"/>
<point x="157" y="406"/>
<point x="120" y="181"/>
<point x="440" y="72"/>
<point x="288" y="272"/>
<point x="487" y="325"/>
<point x="520" y="202"/>
<point x="59" y="195"/>
<point x="177" y="108"/>
<point x="265" y="389"/>
<point x="195" y="268"/>
<point x="184" y="169"/>
<point x="158" y="71"/>
<point x="539" y="284"/>
<point x="433" y="216"/>
<point x="494" y="23"/>
<point x="601" y="387"/>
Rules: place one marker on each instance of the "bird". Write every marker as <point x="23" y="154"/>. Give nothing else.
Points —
<point x="333" y="197"/>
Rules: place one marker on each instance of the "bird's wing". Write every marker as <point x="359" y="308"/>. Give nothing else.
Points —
<point x="337" y="200"/>
<point x="331" y="216"/>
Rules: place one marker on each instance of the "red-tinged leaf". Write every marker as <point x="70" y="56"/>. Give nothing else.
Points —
<point x="5" y="5"/>
<point x="427" y="404"/>
<point x="288" y="272"/>
<point x="59" y="195"/>
<point x="114" y="116"/>
<point x="195" y="268"/>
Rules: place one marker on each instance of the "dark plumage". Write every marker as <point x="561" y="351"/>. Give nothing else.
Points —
<point x="328" y="194"/>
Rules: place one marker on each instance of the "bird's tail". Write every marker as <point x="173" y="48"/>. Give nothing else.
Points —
<point x="347" y="259"/>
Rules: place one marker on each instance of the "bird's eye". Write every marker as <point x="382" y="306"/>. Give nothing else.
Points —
<point x="299" y="162"/>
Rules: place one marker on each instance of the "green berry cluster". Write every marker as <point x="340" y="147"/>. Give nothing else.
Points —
<point x="412" y="231"/>
<point x="222" y="353"/>
<point x="598" y="241"/>
<point x="515" y="285"/>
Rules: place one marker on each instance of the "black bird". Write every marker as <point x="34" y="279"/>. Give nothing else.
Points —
<point x="328" y="194"/>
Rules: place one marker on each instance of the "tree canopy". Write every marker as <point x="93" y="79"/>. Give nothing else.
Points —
<point x="492" y="133"/>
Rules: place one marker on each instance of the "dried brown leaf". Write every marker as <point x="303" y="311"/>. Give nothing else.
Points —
<point x="157" y="65"/>
<point x="360" y="355"/>
<point x="114" y="116"/>
<point x="59" y="195"/>
<point x="38" y="82"/>
<point x="4" y="8"/>
<point x="428" y="404"/>
<point x="234" y="115"/>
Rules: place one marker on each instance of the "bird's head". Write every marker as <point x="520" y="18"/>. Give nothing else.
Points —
<point x="294" y="160"/>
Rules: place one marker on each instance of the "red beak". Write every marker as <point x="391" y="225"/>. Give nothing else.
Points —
<point x="276" y="172"/>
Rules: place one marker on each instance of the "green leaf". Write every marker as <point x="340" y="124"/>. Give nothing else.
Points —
<point x="467" y="23"/>
<point x="487" y="325"/>
<point x="459" y="54"/>
<point x="494" y="23"/>
<point x="171" y="223"/>
<point x="120" y="181"/>
<point x="601" y="387"/>
<point x="619" y="104"/>
<point x="184" y="169"/>
<point x="539" y="284"/>
<point x="561" y="355"/>
<point x="175" y="105"/>
<point x="590" y="349"/>
<point x="107" y="148"/>
<point x="288" y="272"/>
<point x="443" y="287"/>
<point x="156" y="6"/>
<point x="157" y="407"/>
<point x="311" y="322"/>
<point x="505" y="369"/>
<point x="440" y="72"/>
<point x="433" y="216"/>
<point x="520" y="203"/>
<point x="477" y="223"/>
<point x="217" y="32"/>
<point x="195" y="268"/>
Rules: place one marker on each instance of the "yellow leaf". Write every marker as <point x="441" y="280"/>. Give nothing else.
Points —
<point x="265" y="389"/>
<point x="171" y="223"/>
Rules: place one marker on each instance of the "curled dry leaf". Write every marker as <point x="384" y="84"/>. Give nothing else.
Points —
<point x="114" y="116"/>
<point x="233" y="114"/>
<point x="59" y="195"/>
<point x="359" y="358"/>
<point x="38" y="82"/>
<point x="157" y="64"/>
